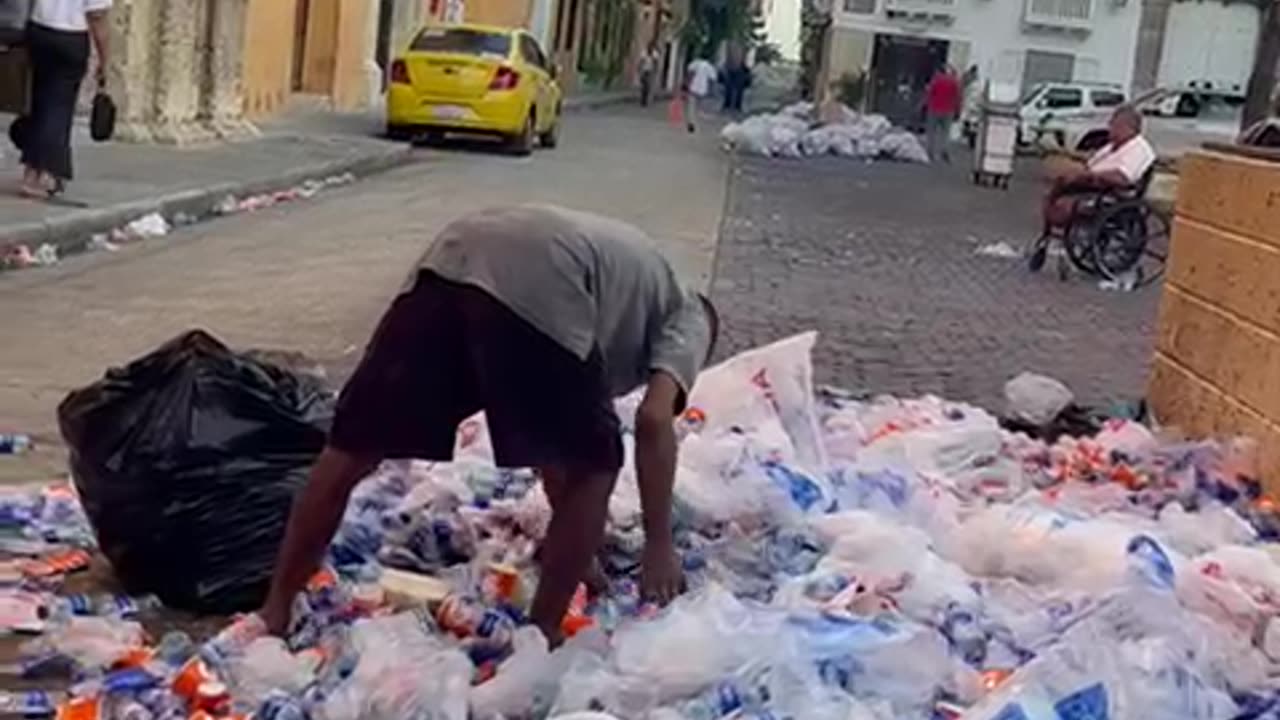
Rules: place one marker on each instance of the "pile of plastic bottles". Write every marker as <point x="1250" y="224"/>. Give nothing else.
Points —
<point x="853" y="560"/>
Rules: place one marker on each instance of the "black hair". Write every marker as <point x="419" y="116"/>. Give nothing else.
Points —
<point x="713" y="321"/>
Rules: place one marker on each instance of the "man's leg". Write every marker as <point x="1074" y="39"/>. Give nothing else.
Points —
<point x="555" y="484"/>
<point x="572" y="541"/>
<point x="931" y="139"/>
<point x="944" y="139"/>
<point x="691" y="111"/>
<point x="405" y="399"/>
<point x="1058" y="212"/>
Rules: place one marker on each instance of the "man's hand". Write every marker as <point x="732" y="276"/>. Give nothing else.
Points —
<point x="661" y="576"/>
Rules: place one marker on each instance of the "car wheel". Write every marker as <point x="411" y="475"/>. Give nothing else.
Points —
<point x="522" y="144"/>
<point x="399" y="132"/>
<point x="551" y="137"/>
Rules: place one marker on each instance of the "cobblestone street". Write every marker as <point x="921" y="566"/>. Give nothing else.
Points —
<point x="882" y="259"/>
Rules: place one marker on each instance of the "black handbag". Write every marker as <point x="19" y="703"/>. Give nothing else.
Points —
<point x="102" y="117"/>
<point x="19" y="130"/>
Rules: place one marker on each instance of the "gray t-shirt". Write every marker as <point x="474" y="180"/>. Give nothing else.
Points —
<point x="584" y="280"/>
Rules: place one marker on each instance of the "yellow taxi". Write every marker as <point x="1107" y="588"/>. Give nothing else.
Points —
<point x="475" y="79"/>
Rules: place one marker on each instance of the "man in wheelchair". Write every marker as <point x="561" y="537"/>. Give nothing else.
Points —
<point x="1120" y="167"/>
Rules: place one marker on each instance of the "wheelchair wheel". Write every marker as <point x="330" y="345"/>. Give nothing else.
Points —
<point x="1120" y="239"/>
<point x="1078" y="242"/>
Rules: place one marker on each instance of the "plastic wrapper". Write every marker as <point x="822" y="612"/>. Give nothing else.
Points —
<point x="1036" y="399"/>
<point x="698" y="639"/>
<point x="774" y="381"/>
<point x="404" y="671"/>
<point x="267" y="666"/>
<point x="187" y="461"/>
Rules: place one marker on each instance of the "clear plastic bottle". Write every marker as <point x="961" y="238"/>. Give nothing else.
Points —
<point x="233" y="639"/>
<point x="28" y="703"/>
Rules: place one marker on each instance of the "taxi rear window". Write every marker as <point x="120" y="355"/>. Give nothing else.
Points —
<point x="462" y="41"/>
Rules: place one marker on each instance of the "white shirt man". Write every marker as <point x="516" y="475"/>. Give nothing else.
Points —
<point x="1132" y="158"/>
<point x="701" y="75"/>
<point x="66" y="15"/>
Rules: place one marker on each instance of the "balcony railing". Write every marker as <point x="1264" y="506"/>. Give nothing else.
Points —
<point x="926" y="9"/>
<point x="1069" y="14"/>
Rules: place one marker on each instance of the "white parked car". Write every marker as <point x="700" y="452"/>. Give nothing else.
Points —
<point x="1071" y="115"/>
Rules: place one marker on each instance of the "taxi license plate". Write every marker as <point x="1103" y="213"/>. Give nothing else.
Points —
<point x="449" y="112"/>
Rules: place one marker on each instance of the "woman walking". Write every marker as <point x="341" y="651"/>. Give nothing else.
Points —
<point x="58" y="38"/>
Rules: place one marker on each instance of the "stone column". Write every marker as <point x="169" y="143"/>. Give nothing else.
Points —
<point x="130" y="77"/>
<point x="179" y="45"/>
<point x="372" y="71"/>
<point x="223" y="99"/>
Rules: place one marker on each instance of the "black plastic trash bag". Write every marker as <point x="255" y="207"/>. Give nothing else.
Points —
<point x="187" y="460"/>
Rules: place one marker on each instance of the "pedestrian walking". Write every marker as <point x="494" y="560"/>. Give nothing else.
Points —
<point x="942" y="106"/>
<point x="539" y="316"/>
<point x="58" y="37"/>
<point x="736" y="79"/>
<point x="699" y="78"/>
<point x="647" y="66"/>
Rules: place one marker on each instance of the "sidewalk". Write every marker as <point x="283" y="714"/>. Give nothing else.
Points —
<point x="118" y="182"/>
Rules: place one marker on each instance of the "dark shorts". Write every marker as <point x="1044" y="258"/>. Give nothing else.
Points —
<point x="444" y="351"/>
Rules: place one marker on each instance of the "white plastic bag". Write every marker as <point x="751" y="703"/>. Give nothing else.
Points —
<point x="816" y="142"/>
<point x="1036" y="399"/>
<point x="403" y="672"/>
<point x="903" y="146"/>
<point x="697" y="639"/>
<point x="1239" y="587"/>
<point x="528" y="682"/>
<point x="267" y="665"/>
<point x="774" y="381"/>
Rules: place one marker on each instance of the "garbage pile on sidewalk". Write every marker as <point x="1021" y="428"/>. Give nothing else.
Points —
<point x="878" y="560"/>
<point x="154" y="224"/>
<point x="793" y="132"/>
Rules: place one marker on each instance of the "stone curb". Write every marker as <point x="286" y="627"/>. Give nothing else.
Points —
<point x="591" y="102"/>
<point x="71" y="231"/>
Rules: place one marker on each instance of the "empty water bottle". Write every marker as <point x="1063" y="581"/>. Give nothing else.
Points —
<point x="31" y="703"/>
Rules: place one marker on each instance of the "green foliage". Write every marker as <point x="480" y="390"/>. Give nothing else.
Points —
<point x="713" y="23"/>
<point x="768" y="53"/>
<point x="604" y="54"/>
<point x="852" y="89"/>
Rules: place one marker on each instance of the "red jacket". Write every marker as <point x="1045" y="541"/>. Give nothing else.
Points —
<point x="942" y="97"/>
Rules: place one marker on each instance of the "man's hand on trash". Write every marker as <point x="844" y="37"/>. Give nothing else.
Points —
<point x="661" y="574"/>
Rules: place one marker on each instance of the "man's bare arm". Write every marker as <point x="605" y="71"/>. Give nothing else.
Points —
<point x="100" y="32"/>
<point x="312" y="524"/>
<point x="655" y="473"/>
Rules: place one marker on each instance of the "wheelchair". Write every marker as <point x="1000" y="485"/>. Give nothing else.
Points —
<point x="1115" y="235"/>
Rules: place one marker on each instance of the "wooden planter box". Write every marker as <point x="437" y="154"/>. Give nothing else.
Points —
<point x="1216" y="370"/>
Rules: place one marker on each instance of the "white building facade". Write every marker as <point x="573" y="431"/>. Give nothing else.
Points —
<point x="900" y="43"/>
